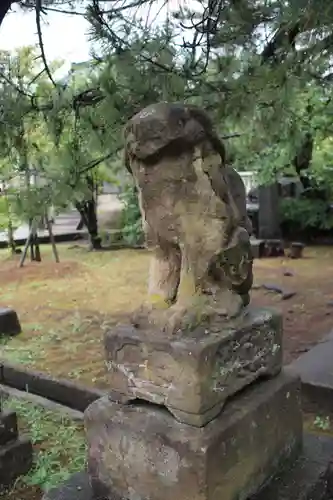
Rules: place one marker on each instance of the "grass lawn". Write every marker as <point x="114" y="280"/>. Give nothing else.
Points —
<point x="65" y="308"/>
<point x="59" y="449"/>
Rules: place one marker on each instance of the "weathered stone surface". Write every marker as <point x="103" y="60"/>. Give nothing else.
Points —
<point x="8" y="427"/>
<point x="142" y="452"/>
<point x="194" y="374"/>
<point x="9" y="322"/>
<point x="315" y="368"/>
<point x="257" y="247"/>
<point x="269" y="215"/>
<point x="15" y="460"/>
<point x="194" y="216"/>
<point x="77" y="487"/>
<point x="273" y="248"/>
<point x="309" y="478"/>
<point x="296" y="250"/>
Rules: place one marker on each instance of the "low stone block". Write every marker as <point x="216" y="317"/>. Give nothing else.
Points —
<point x="315" y="369"/>
<point x="139" y="451"/>
<point x="77" y="487"/>
<point x="257" y="247"/>
<point x="9" y="322"/>
<point x="194" y="373"/>
<point x="15" y="460"/>
<point x="8" y="427"/>
<point x="66" y="392"/>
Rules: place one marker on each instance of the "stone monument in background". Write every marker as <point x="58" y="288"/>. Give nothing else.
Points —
<point x="199" y="408"/>
<point x="269" y="212"/>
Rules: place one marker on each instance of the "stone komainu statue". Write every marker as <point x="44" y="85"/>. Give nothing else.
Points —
<point x="194" y="214"/>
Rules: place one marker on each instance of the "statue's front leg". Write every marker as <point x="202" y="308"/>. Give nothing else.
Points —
<point x="200" y="295"/>
<point x="164" y="274"/>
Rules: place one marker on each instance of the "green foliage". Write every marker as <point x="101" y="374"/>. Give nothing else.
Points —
<point x="269" y="90"/>
<point x="131" y="223"/>
<point x="322" y="423"/>
<point x="72" y="134"/>
<point x="8" y="215"/>
<point x="3" y="214"/>
<point x="259" y="86"/>
<point x="305" y="214"/>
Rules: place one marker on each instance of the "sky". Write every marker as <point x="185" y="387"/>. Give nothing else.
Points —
<point x="64" y="36"/>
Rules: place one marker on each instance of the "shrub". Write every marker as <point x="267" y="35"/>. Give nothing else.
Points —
<point x="305" y="215"/>
<point x="131" y="225"/>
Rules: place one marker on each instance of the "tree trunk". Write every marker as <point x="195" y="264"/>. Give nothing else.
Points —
<point x="88" y="213"/>
<point x="303" y="160"/>
<point x="11" y="240"/>
<point x="80" y="224"/>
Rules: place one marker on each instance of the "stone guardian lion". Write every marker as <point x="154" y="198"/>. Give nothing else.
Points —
<point x="194" y="216"/>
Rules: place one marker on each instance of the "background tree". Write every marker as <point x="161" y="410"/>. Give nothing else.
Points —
<point x="263" y="69"/>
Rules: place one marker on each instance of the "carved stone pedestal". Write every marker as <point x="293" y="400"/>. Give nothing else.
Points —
<point x="163" y="434"/>
<point x="140" y="452"/>
<point x="194" y="373"/>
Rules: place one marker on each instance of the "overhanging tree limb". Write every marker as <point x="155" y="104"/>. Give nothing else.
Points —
<point x="40" y="39"/>
<point x="118" y="42"/>
<point x="94" y="163"/>
<point x="284" y="36"/>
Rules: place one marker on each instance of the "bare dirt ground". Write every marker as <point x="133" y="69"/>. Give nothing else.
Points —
<point x="23" y="493"/>
<point x="65" y="308"/>
<point x="308" y="315"/>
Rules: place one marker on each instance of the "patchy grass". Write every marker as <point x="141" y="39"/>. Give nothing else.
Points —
<point x="318" y="424"/>
<point x="59" y="448"/>
<point x="65" y="308"/>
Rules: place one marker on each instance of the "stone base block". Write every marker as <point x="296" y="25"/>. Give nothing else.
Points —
<point x="139" y="451"/>
<point x="8" y="427"/>
<point x="309" y="478"/>
<point x="193" y="374"/>
<point x="15" y="460"/>
<point x="9" y="322"/>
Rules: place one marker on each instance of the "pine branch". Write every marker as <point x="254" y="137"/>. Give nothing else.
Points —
<point x="231" y="136"/>
<point x="284" y="36"/>
<point x="40" y="39"/>
<point x="119" y="43"/>
<point x="94" y="163"/>
<point x="54" y="9"/>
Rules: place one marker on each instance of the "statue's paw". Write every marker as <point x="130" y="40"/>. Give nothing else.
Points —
<point x="229" y="304"/>
<point x="173" y="322"/>
<point x="150" y="309"/>
<point x="182" y="317"/>
<point x="202" y="308"/>
<point x="139" y="315"/>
